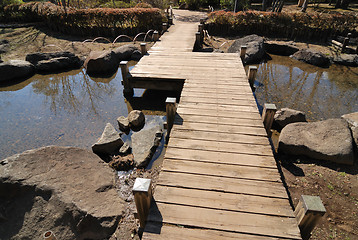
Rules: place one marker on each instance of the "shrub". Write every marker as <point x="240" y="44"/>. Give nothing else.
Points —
<point x="143" y="5"/>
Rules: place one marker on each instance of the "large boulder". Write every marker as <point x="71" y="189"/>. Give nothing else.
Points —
<point x="15" y="69"/>
<point x="347" y="60"/>
<point x="352" y="119"/>
<point x="311" y="57"/>
<point x="329" y="140"/>
<point x="144" y="144"/>
<point x="286" y="116"/>
<point x="255" y="48"/>
<point x="109" y="143"/>
<point x="69" y="191"/>
<point x="282" y="49"/>
<point x="101" y="62"/>
<point x="53" y="62"/>
<point x="136" y="120"/>
<point x="125" y="52"/>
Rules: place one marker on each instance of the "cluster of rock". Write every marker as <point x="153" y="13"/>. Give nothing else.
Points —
<point x="110" y="145"/>
<point x="98" y="62"/>
<point x="334" y="140"/>
<point x="257" y="48"/>
<point x="67" y="190"/>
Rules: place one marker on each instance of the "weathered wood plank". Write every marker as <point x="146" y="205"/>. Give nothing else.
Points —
<point x="223" y="184"/>
<point x="224" y="201"/>
<point x="219" y="113"/>
<point x="273" y="226"/>
<point x="220" y="170"/>
<point x="217" y="119"/>
<point x="220" y="157"/>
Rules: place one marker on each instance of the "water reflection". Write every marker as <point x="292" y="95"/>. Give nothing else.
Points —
<point x="321" y="93"/>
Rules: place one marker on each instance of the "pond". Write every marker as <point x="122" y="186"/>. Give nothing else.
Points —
<point x="67" y="109"/>
<point x="321" y="93"/>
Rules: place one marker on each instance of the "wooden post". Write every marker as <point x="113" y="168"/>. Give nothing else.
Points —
<point x="170" y="20"/>
<point x="243" y="52"/>
<point x="345" y="43"/>
<point x="49" y="235"/>
<point x="165" y="27"/>
<point x="201" y="30"/>
<point x="170" y="107"/>
<point x="308" y="212"/>
<point x="252" y="76"/>
<point x="202" y="21"/>
<point x="267" y="116"/>
<point x="300" y="3"/>
<point x="142" y="191"/>
<point x="155" y="35"/>
<point x="128" y="91"/>
<point x="143" y="48"/>
<point x="197" y="39"/>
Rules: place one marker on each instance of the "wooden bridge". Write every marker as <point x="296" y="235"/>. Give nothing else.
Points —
<point x="219" y="178"/>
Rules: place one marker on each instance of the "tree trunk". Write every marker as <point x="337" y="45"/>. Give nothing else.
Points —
<point x="305" y="4"/>
<point x="345" y="4"/>
<point x="338" y="4"/>
<point x="264" y="5"/>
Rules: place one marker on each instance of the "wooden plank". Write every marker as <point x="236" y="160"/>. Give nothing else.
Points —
<point x="220" y="157"/>
<point x="179" y="119"/>
<point x="223" y="184"/>
<point x="219" y="95"/>
<point x="219" y="113"/>
<point x="225" y="220"/>
<point x="220" y="170"/>
<point x="221" y="106"/>
<point x="224" y="201"/>
<point x="218" y="90"/>
<point x="219" y="136"/>
<point x="152" y="230"/>
<point x="217" y="127"/>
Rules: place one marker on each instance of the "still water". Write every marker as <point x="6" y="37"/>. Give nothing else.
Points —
<point x="321" y="93"/>
<point x="66" y="109"/>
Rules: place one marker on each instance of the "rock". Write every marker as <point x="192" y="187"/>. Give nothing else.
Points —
<point x="144" y="144"/>
<point x="311" y="57"/>
<point x="136" y="55"/>
<point x="67" y="190"/>
<point x="15" y="69"/>
<point x="56" y="64"/>
<point x="286" y="116"/>
<point x="352" y="119"/>
<point x="283" y="49"/>
<point x="101" y="62"/>
<point x="125" y="149"/>
<point x="136" y="120"/>
<point x="4" y="46"/>
<point x="347" y="60"/>
<point x="123" y="124"/>
<point x="255" y="48"/>
<point x="109" y="143"/>
<point x="122" y="163"/>
<point x="329" y="140"/>
<point x="125" y="52"/>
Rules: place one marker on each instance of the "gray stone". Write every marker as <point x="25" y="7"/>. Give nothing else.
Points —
<point x="286" y="116"/>
<point x="4" y="46"/>
<point x="352" y="119"/>
<point x="125" y="52"/>
<point x="311" y="57"/>
<point x="109" y="143"/>
<point x="283" y="49"/>
<point x="136" y="120"/>
<point x="329" y="140"/>
<point x="34" y="58"/>
<point x="347" y="60"/>
<point x="57" y="64"/>
<point x="15" y="69"/>
<point x="144" y="144"/>
<point x="101" y="62"/>
<point x="67" y="190"/>
<point x="125" y="149"/>
<point x="123" y="124"/>
<point x="136" y="55"/>
<point x="255" y="48"/>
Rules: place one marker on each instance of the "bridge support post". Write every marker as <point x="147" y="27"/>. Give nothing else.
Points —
<point x="170" y="21"/>
<point x="170" y="107"/>
<point x="165" y="27"/>
<point x="201" y="30"/>
<point x="155" y="35"/>
<point x="243" y="52"/>
<point x="197" y="40"/>
<point x="267" y="116"/>
<point x="202" y="21"/>
<point x="308" y="212"/>
<point x="128" y="91"/>
<point x="143" y="48"/>
<point x="142" y="191"/>
<point x="252" y="76"/>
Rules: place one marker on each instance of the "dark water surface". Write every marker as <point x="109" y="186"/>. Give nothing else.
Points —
<point x="66" y="109"/>
<point x="321" y="93"/>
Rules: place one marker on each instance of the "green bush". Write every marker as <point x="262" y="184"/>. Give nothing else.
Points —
<point x="9" y="2"/>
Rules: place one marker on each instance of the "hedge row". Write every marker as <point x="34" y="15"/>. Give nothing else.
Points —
<point x="288" y="25"/>
<point x="98" y="21"/>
